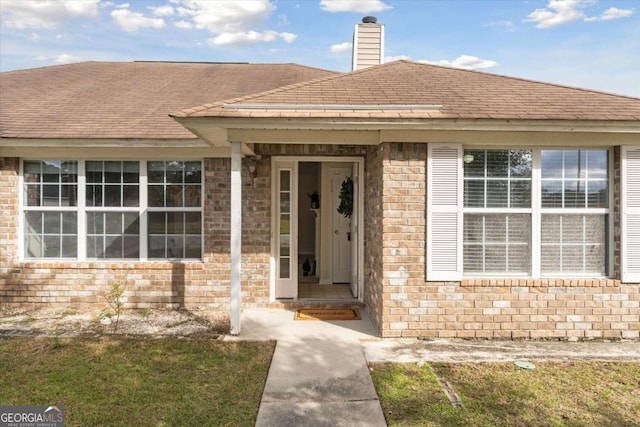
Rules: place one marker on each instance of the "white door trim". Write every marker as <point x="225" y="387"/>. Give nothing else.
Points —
<point x="359" y="161"/>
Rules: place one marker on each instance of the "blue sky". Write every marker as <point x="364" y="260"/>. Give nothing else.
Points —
<point x="586" y="43"/>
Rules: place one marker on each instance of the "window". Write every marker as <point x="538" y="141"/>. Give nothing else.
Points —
<point x="501" y="210"/>
<point x="497" y="219"/>
<point x="96" y="209"/>
<point x="50" y="198"/>
<point x="574" y="212"/>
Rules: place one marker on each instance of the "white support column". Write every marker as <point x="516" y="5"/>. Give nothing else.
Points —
<point x="236" y="235"/>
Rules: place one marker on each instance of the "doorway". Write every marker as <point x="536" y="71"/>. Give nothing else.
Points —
<point x="316" y="243"/>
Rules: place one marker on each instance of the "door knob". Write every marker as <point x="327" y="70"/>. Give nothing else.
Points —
<point x="335" y="231"/>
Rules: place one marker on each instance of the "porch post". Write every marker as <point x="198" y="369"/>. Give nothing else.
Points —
<point x="236" y="235"/>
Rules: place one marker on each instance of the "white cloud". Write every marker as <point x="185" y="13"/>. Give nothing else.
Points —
<point x="165" y="10"/>
<point x="466" y="62"/>
<point x="360" y="6"/>
<point x="48" y="14"/>
<point x="185" y="25"/>
<point x="226" y="16"/>
<point x="341" y="47"/>
<point x="133" y="21"/>
<point x="610" y="14"/>
<point x="558" y="12"/>
<point x="507" y="25"/>
<point x="64" y="58"/>
<point x="250" y="37"/>
<point x="34" y="37"/>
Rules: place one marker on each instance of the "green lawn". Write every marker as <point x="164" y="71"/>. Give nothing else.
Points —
<point x="500" y="394"/>
<point x="128" y="382"/>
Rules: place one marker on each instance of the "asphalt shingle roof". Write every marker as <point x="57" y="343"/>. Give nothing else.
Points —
<point x="462" y="94"/>
<point x="127" y="100"/>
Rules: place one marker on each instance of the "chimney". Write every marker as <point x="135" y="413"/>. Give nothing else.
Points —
<point x="368" y="43"/>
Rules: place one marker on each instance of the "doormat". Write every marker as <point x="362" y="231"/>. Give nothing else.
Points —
<point x="327" y="314"/>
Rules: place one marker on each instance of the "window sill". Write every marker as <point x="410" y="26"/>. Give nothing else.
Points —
<point x="115" y="264"/>
<point x="528" y="282"/>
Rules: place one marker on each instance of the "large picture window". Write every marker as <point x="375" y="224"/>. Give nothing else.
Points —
<point x="96" y="209"/>
<point x="510" y="193"/>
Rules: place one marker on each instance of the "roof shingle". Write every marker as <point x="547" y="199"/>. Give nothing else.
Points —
<point x="462" y="93"/>
<point x="127" y="100"/>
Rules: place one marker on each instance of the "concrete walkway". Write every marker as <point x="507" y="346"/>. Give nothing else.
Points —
<point x="318" y="374"/>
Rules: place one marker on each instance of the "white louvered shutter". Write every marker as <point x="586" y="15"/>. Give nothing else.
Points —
<point x="630" y="189"/>
<point x="444" y="212"/>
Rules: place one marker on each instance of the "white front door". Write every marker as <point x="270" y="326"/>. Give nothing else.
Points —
<point x="340" y="228"/>
<point x="286" y="230"/>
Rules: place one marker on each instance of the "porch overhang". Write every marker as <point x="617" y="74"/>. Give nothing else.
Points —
<point x="337" y="130"/>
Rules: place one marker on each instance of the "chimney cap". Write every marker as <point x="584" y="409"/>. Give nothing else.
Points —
<point x="369" y="20"/>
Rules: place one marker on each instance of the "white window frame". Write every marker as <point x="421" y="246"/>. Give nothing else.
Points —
<point x="81" y="209"/>
<point x="536" y="211"/>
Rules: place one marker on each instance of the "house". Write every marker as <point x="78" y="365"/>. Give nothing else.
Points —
<point x="450" y="203"/>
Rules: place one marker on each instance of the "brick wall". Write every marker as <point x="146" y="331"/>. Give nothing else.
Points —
<point x="509" y="308"/>
<point x="148" y="284"/>
<point x="373" y="225"/>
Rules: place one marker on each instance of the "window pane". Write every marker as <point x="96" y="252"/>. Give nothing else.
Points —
<point x="192" y="196"/>
<point x="474" y="163"/>
<point x="113" y="172"/>
<point x="95" y="223"/>
<point x="598" y="195"/>
<point x="520" y="194"/>
<point x="131" y="195"/>
<point x="95" y="247"/>
<point x="597" y="163"/>
<point x="175" y="172"/>
<point x="284" y="268"/>
<point x="33" y="222"/>
<point x="156" y="196"/>
<point x="131" y="223"/>
<point x="552" y="194"/>
<point x="51" y="223"/>
<point x="175" y="223"/>
<point x="113" y="247"/>
<point x="474" y="193"/>
<point x="192" y="223"/>
<point x="51" y="195"/>
<point x="69" y="247"/>
<point x="520" y="163"/>
<point x="193" y="172"/>
<point x="175" y="247"/>
<point x="174" y="196"/>
<point x="113" y="222"/>
<point x="131" y="247"/>
<point x="497" y="193"/>
<point x="156" y="247"/>
<point x="551" y="164"/>
<point x="112" y="195"/>
<point x="32" y="194"/>
<point x="51" y="246"/>
<point x="498" y="163"/>
<point x="94" y="195"/>
<point x="574" y="164"/>
<point x="574" y="194"/>
<point x="156" y="223"/>
<point x="155" y="172"/>
<point x="193" y="247"/>
<point x="69" y="223"/>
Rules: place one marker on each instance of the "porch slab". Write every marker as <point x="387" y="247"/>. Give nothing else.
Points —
<point x="278" y="324"/>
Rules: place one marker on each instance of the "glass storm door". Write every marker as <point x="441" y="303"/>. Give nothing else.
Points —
<point x="286" y="229"/>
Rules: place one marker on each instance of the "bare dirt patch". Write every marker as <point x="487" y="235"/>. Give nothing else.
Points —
<point x="201" y="323"/>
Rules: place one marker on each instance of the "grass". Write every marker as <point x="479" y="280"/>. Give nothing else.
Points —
<point x="500" y="394"/>
<point x="127" y="382"/>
